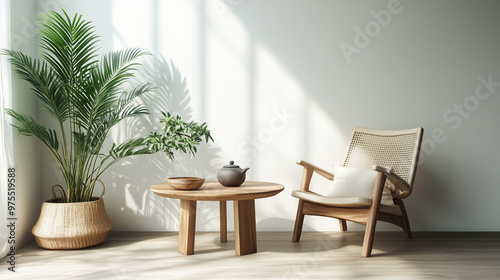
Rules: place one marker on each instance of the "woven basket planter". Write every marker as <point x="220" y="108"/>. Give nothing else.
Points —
<point x="72" y="225"/>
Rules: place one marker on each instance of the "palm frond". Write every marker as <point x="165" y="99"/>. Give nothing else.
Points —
<point x="29" y="127"/>
<point x="129" y="148"/>
<point x="101" y="90"/>
<point x="44" y="85"/>
<point x="138" y="90"/>
<point x="68" y="45"/>
<point x="117" y="152"/>
<point x="86" y="144"/>
<point x="132" y="111"/>
<point x="116" y="67"/>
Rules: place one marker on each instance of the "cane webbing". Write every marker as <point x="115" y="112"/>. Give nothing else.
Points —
<point x="388" y="148"/>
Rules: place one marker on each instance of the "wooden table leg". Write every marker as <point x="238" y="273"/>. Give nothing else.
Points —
<point x="187" y="224"/>
<point x="245" y="235"/>
<point x="223" y="221"/>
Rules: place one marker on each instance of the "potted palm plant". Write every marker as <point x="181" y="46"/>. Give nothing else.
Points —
<point x="84" y="93"/>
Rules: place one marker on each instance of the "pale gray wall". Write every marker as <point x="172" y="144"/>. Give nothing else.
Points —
<point x="26" y="153"/>
<point x="276" y="82"/>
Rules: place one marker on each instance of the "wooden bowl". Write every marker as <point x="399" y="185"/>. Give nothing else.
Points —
<point x="185" y="183"/>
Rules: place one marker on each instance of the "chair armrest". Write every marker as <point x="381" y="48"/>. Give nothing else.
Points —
<point x="309" y="169"/>
<point x="320" y="171"/>
<point x="401" y="188"/>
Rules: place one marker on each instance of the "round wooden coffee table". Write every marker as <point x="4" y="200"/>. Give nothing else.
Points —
<point x="244" y="211"/>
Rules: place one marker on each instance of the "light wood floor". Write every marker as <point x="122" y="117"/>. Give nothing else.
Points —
<point x="334" y="255"/>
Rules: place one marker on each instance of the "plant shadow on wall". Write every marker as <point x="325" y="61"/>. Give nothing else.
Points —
<point x="135" y="206"/>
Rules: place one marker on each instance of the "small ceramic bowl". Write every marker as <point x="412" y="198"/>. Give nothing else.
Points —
<point x="185" y="183"/>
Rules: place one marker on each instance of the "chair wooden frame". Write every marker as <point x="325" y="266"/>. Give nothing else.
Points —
<point x="366" y="215"/>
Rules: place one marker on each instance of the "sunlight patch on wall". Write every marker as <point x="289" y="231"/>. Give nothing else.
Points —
<point x="132" y="27"/>
<point x="301" y="128"/>
<point x="280" y="100"/>
<point x="228" y="79"/>
<point x="177" y="32"/>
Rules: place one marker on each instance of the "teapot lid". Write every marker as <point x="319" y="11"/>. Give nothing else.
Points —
<point x="231" y="165"/>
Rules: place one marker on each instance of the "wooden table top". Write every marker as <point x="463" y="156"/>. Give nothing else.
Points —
<point x="213" y="191"/>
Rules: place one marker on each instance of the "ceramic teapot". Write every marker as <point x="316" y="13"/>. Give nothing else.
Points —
<point x="231" y="175"/>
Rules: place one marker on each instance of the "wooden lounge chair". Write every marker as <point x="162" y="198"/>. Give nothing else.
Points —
<point x="394" y="155"/>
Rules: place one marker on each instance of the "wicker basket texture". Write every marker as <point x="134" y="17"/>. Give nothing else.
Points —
<point x="72" y="225"/>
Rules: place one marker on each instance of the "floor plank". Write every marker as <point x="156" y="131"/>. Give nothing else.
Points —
<point x="331" y="255"/>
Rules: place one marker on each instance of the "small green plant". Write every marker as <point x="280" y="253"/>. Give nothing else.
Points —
<point x="178" y="135"/>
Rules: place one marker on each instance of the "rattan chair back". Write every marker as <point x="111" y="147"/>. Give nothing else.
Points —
<point x="398" y="149"/>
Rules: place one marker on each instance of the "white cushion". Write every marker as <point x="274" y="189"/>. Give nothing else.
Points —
<point x="356" y="182"/>
<point x="346" y="202"/>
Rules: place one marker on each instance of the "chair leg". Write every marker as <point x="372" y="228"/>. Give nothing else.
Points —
<point x="406" y="222"/>
<point x="372" y="216"/>
<point x="343" y="225"/>
<point x="299" y="221"/>
<point x="369" y="236"/>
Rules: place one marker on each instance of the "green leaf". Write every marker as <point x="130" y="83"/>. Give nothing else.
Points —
<point x="178" y="135"/>
<point x="44" y="82"/>
<point x="29" y="127"/>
